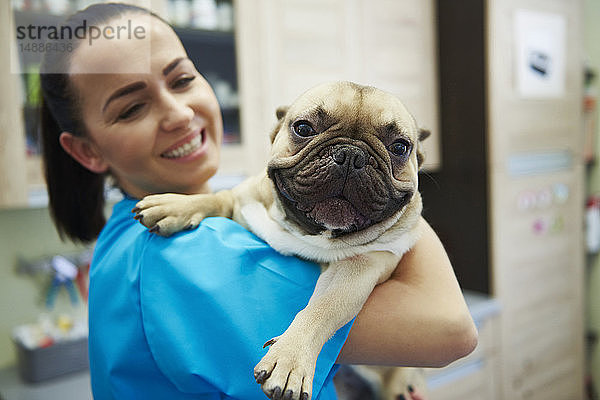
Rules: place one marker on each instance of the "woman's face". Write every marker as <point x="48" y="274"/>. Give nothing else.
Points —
<point x="156" y="129"/>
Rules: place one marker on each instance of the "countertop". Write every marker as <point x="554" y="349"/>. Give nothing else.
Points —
<point x="75" y="386"/>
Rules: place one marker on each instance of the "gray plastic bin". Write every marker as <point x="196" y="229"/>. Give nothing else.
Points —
<point x="36" y="365"/>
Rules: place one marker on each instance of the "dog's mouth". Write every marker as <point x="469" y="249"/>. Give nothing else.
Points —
<point x="338" y="214"/>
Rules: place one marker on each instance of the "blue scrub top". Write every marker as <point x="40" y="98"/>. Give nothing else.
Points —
<point x="186" y="317"/>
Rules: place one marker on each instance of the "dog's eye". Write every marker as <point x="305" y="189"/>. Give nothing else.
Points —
<point x="399" y="148"/>
<point x="303" y="128"/>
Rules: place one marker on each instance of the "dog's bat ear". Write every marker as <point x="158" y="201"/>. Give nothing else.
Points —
<point x="423" y="134"/>
<point x="280" y="114"/>
<point x="281" y="111"/>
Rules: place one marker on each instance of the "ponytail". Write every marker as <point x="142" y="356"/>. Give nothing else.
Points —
<point x="76" y="195"/>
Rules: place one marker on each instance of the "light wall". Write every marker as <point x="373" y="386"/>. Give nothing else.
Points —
<point x="592" y="49"/>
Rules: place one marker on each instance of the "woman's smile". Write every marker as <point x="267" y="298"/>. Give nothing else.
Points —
<point x="187" y="148"/>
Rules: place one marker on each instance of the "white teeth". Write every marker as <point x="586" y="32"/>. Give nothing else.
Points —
<point x="185" y="149"/>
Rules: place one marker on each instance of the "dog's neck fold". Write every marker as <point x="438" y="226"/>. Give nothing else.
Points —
<point x="395" y="234"/>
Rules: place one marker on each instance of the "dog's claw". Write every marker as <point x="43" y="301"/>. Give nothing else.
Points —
<point x="304" y="396"/>
<point x="269" y="342"/>
<point x="154" y="229"/>
<point x="276" y="394"/>
<point x="288" y="395"/>
<point x="261" y="377"/>
<point x="138" y="217"/>
<point x="135" y="210"/>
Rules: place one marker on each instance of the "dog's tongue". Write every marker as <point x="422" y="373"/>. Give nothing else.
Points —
<point x="336" y="213"/>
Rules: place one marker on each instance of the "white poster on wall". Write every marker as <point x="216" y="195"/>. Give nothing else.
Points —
<point x="540" y="40"/>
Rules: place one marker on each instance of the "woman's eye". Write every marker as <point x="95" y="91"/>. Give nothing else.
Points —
<point x="303" y="129"/>
<point x="130" y="112"/>
<point x="183" y="82"/>
<point x="399" y="148"/>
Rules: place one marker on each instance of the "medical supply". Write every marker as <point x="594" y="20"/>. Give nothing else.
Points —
<point x="51" y="347"/>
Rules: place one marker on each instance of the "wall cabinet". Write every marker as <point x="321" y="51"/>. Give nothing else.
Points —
<point x="517" y="193"/>
<point x="538" y="254"/>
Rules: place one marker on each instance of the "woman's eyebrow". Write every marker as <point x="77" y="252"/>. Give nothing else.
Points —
<point x="123" y="92"/>
<point x="172" y="65"/>
<point x="141" y="85"/>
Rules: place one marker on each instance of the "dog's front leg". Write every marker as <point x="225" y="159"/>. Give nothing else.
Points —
<point x="168" y="213"/>
<point x="287" y="370"/>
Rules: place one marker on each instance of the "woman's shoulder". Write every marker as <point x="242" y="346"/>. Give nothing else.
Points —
<point x="120" y="229"/>
<point x="123" y="233"/>
<point x="222" y="247"/>
<point x="217" y="247"/>
<point x="121" y="223"/>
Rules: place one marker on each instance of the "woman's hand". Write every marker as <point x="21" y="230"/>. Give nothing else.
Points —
<point x="416" y="318"/>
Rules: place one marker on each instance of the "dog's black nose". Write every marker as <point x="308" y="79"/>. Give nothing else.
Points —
<point x="353" y="155"/>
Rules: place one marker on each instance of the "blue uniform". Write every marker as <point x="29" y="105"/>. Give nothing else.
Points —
<point x="186" y="317"/>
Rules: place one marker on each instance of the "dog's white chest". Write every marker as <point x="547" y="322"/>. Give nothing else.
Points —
<point x="271" y="226"/>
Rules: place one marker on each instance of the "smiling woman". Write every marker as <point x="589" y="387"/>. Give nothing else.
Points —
<point x="158" y="128"/>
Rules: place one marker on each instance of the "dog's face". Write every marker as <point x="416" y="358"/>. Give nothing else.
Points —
<point x="345" y="157"/>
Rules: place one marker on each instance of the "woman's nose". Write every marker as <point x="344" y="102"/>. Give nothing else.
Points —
<point x="177" y="114"/>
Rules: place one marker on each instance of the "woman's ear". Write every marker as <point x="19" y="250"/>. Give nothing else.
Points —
<point x="84" y="152"/>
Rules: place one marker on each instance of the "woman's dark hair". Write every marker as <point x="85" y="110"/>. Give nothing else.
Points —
<point x="76" y="195"/>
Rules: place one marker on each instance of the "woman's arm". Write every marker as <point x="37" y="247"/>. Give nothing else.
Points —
<point x="416" y="318"/>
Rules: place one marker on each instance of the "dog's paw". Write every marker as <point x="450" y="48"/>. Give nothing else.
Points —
<point x="166" y="214"/>
<point x="286" y="372"/>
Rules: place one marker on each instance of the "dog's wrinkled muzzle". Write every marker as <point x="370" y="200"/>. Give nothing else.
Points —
<point x="340" y="188"/>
